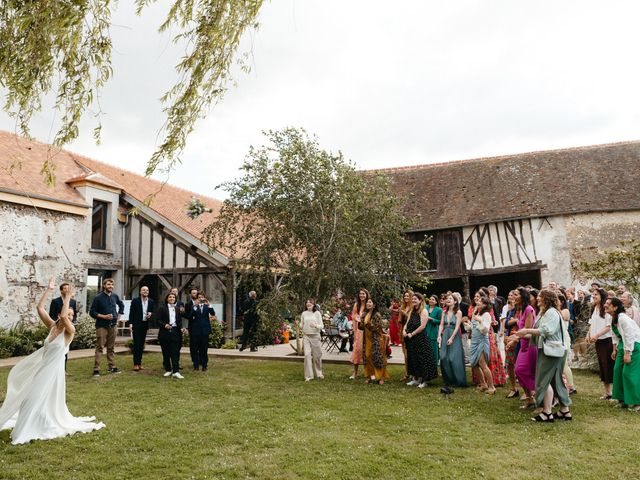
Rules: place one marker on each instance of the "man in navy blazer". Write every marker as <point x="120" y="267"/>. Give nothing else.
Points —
<point x="199" y="330"/>
<point x="56" y="304"/>
<point x="140" y="313"/>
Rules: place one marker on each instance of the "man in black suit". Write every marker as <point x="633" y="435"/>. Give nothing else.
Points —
<point x="497" y="303"/>
<point x="199" y="330"/>
<point x="56" y="307"/>
<point x="56" y="304"/>
<point x="188" y="308"/>
<point x="250" y="322"/>
<point x="139" y="315"/>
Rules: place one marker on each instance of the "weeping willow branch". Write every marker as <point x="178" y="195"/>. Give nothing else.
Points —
<point x="42" y="41"/>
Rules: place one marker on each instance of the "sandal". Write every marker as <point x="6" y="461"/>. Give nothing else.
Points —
<point x="381" y="382"/>
<point x="490" y="391"/>
<point x="606" y="397"/>
<point x="543" y="417"/>
<point x="528" y="405"/>
<point x="513" y="394"/>
<point x="564" y="415"/>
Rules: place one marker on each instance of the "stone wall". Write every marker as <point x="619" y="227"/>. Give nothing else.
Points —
<point x="32" y="251"/>
<point x="593" y="233"/>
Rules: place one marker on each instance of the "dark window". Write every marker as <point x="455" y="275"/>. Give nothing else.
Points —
<point x="429" y="251"/>
<point x="99" y="225"/>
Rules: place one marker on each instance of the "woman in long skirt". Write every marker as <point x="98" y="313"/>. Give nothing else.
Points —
<point x="525" y="368"/>
<point x="356" y="316"/>
<point x="433" y="324"/>
<point x="479" y="348"/>
<point x="421" y="362"/>
<point x="374" y="345"/>
<point x="549" y="384"/>
<point x="452" y="365"/>
<point x="600" y="335"/>
<point x="494" y="361"/>
<point x="511" y="345"/>
<point x="403" y="316"/>
<point x="394" y="325"/>
<point x="626" y="350"/>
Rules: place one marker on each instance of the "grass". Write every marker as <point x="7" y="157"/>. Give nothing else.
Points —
<point x="258" y="419"/>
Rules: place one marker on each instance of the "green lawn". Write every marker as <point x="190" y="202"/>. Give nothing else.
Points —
<point x="258" y="419"/>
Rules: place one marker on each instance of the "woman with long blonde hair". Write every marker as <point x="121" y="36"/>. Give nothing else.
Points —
<point x="403" y="315"/>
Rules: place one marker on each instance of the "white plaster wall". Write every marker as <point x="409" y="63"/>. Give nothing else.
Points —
<point x="32" y="251"/>
<point x="550" y="236"/>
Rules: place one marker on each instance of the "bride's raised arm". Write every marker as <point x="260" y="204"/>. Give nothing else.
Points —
<point x="65" y="314"/>
<point x="42" y="313"/>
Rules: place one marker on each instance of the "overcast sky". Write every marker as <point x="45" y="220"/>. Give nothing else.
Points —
<point x="387" y="83"/>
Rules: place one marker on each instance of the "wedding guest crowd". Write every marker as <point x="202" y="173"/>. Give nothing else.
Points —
<point x="526" y="341"/>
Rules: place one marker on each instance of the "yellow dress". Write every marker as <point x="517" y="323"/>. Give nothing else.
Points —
<point x="373" y="334"/>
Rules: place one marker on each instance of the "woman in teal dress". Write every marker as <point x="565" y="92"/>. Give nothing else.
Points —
<point x="626" y="351"/>
<point x="433" y="325"/>
<point x="454" y="373"/>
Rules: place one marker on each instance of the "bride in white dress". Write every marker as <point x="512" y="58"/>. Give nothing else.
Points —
<point x="35" y="406"/>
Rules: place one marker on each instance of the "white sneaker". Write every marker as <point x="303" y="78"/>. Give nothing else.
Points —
<point x="167" y="374"/>
<point x="177" y="375"/>
<point x="412" y="383"/>
<point x="422" y="385"/>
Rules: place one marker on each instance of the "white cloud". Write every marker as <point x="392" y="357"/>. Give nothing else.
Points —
<point x="388" y="84"/>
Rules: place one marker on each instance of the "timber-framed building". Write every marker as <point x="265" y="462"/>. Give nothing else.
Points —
<point x="521" y="219"/>
<point x="81" y="230"/>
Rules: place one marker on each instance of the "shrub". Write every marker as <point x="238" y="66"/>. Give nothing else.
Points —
<point x="230" y="345"/>
<point x="85" y="333"/>
<point x="8" y="345"/>
<point x="22" y="339"/>
<point x="216" y="337"/>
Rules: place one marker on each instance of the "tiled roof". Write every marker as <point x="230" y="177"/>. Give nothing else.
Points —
<point x="21" y="161"/>
<point x="169" y="201"/>
<point x="545" y="183"/>
<point x="25" y="177"/>
<point x="96" y="178"/>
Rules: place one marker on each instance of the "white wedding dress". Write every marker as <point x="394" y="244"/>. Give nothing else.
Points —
<point x="35" y="405"/>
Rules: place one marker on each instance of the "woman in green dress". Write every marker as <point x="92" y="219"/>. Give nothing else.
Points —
<point x="433" y="325"/>
<point x="454" y="373"/>
<point x="550" y="331"/>
<point x="626" y="351"/>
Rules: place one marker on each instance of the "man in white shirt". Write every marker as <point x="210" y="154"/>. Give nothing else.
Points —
<point x="139" y="315"/>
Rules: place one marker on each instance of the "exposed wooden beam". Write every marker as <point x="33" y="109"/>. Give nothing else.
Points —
<point x="513" y="268"/>
<point x="170" y="271"/>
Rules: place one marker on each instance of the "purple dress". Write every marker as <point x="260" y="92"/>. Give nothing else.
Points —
<point x="527" y="356"/>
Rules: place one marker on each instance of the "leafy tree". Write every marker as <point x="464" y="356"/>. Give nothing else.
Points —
<point x="615" y="266"/>
<point x="306" y="223"/>
<point x="65" y="47"/>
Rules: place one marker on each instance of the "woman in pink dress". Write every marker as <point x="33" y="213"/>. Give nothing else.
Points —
<point x="357" y="313"/>
<point x="394" y="326"/>
<point x="525" y="368"/>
